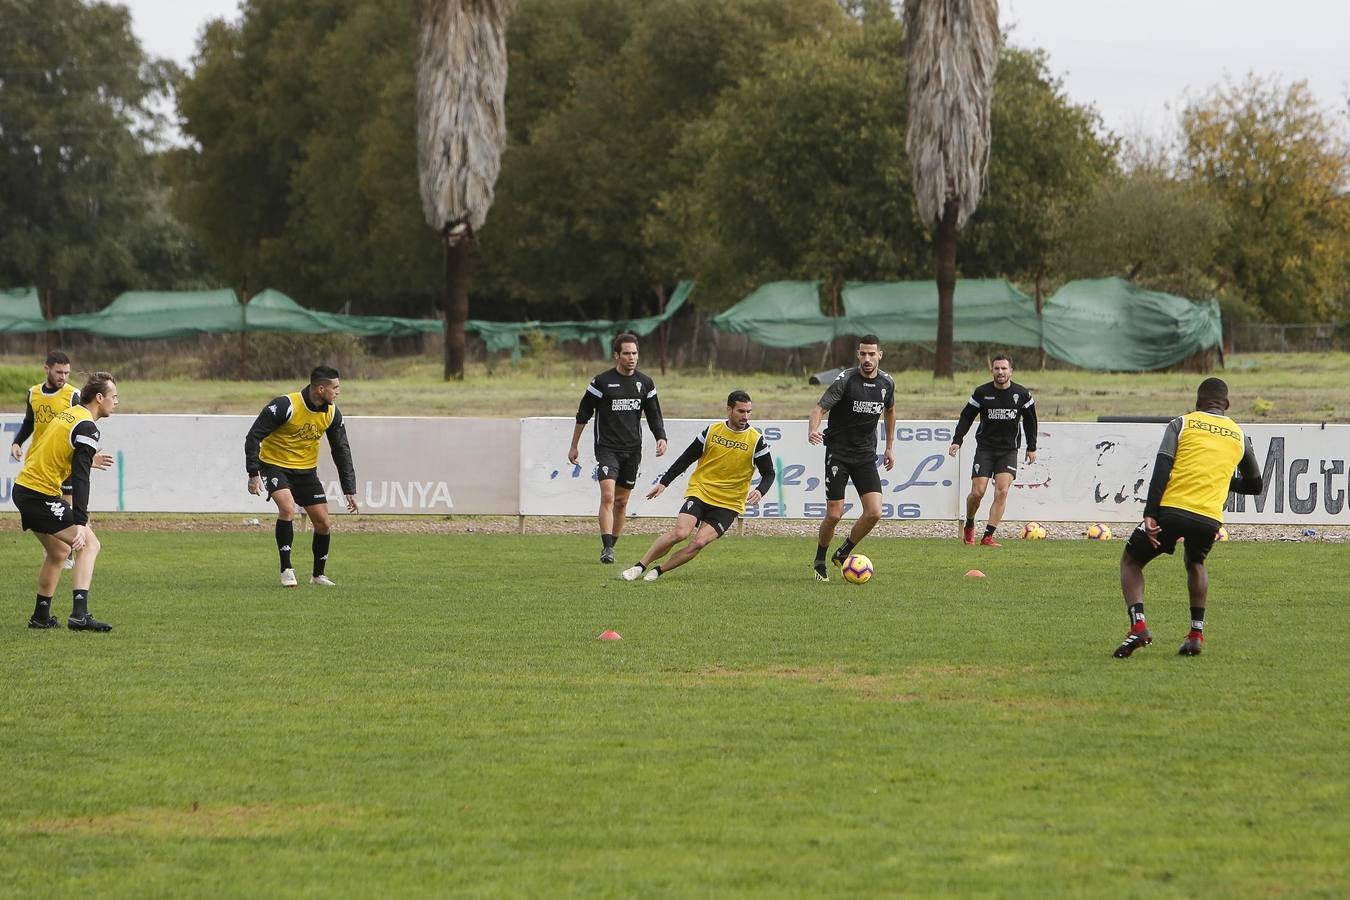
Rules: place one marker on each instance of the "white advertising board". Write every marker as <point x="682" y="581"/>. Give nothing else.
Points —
<point x="403" y="465"/>
<point x="1083" y="472"/>
<point x="442" y="466"/>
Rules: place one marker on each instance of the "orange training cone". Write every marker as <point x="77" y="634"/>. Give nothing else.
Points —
<point x="610" y="636"/>
<point x="975" y="573"/>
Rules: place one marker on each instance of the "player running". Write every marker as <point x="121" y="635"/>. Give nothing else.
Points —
<point x="1192" y="475"/>
<point x="727" y="454"/>
<point x="61" y="458"/>
<point x="854" y="401"/>
<point x="1006" y="410"/>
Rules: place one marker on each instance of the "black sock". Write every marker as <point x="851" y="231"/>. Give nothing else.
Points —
<point x="970" y="521"/>
<point x="321" y="542"/>
<point x="285" y="535"/>
<point x="1197" y="618"/>
<point x="80" y="606"/>
<point x="608" y="540"/>
<point x="656" y="569"/>
<point x="820" y="553"/>
<point x="1137" y="616"/>
<point x="989" y="530"/>
<point x="640" y="565"/>
<point x="43" y="608"/>
<point x="845" y="548"/>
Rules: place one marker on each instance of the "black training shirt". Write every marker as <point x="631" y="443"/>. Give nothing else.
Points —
<point x="1000" y="412"/>
<point x="855" y="403"/>
<point x="618" y="403"/>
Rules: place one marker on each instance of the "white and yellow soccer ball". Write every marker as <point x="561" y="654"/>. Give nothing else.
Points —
<point x="1222" y="534"/>
<point x="857" y="569"/>
<point x="1033" y="531"/>
<point x="1097" y="531"/>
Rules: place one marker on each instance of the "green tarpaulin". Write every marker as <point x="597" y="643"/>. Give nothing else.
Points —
<point x="1106" y="324"/>
<point x="20" y="311"/>
<point x="986" y="311"/>
<point x="148" y="315"/>
<point x="1113" y="325"/>
<point x="781" y="314"/>
<point x="506" y="335"/>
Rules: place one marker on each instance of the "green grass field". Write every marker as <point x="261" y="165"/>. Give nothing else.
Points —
<point x="446" y="723"/>
<point x="1271" y="387"/>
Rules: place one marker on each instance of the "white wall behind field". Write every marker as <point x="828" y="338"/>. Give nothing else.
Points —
<point x="460" y="466"/>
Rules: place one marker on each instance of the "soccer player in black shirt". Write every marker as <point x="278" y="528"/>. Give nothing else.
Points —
<point x="854" y="402"/>
<point x="618" y="398"/>
<point x="1006" y="410"/>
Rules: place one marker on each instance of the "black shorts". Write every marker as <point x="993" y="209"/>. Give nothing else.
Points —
<point x="1198" y="533"/>
<point x="707" y="514"/>
<point x="989" y="463"/>
<point x="304" y="485"/>
<point x="862" y="470"/>
<point x="41" y="513"/>
<point x="618" y="466"/>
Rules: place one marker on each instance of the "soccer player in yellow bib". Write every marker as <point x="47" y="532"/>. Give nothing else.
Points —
<point x="52" y="395"/>
<point x="63" y="455"/>
<point x="727" y="454"/>
<point x="281" y="455"/>
<point x="1192" y="475"/>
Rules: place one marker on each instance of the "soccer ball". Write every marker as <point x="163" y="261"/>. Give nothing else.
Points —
<point x="857" y="569"/>
<point x="1222" y="535"/>
<point x="1033" y="531"/>
<point x="1098" y="532"/>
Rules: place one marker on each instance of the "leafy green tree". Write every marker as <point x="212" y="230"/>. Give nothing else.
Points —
<point x="83" y="213"/>
<point x="1280" y="166"/>
<point x="567" y="228"/>
<point x="799" y="173"/>
<point x="1045" y="160"/>
<point x="303" y="176"/>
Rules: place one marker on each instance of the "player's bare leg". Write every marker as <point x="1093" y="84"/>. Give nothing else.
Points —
<point x="871" y="515"/>
<point x="606" y="517"/>
<point x="1002" y="483"/>
<point x="705" y="536"/>
<point x="1132" y="588"/>
<point x="834" y="511"/>
<point x="1197" y="586"/>
<point x="680" y="531"/>
<point x="973" y="500"/>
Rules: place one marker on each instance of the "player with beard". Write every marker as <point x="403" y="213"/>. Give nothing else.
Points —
<point x="854" y="401"/>
<point x="1006" y="410"/>
<point x="618" y="398"/>
<point x="53" y="395"/>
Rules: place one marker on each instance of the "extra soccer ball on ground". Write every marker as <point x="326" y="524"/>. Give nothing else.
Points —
<point x="857" y="569"/>
<point x="1098" y="532"/>
<point x="1033" y="531"/>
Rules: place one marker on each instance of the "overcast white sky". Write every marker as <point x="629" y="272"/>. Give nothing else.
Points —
<point x="1132" y="60"/>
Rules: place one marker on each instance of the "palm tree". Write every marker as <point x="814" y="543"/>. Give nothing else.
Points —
<point x="461" y="133"/>
<point x="953" y="48"/>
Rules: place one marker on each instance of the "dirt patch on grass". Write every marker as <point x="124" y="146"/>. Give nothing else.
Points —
<point x="915" y="684"/>
<point x="202" y="820"/>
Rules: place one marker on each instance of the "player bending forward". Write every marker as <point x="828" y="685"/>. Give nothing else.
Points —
<point x="727" y="453"/>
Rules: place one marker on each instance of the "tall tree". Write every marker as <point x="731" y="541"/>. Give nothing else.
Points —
<point x="799" y="173"/>
<point x="953" y="51"/>
<point x="78" y="111"/>
<point x="1281" y="167"/>
<point x="461" y="133"/>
